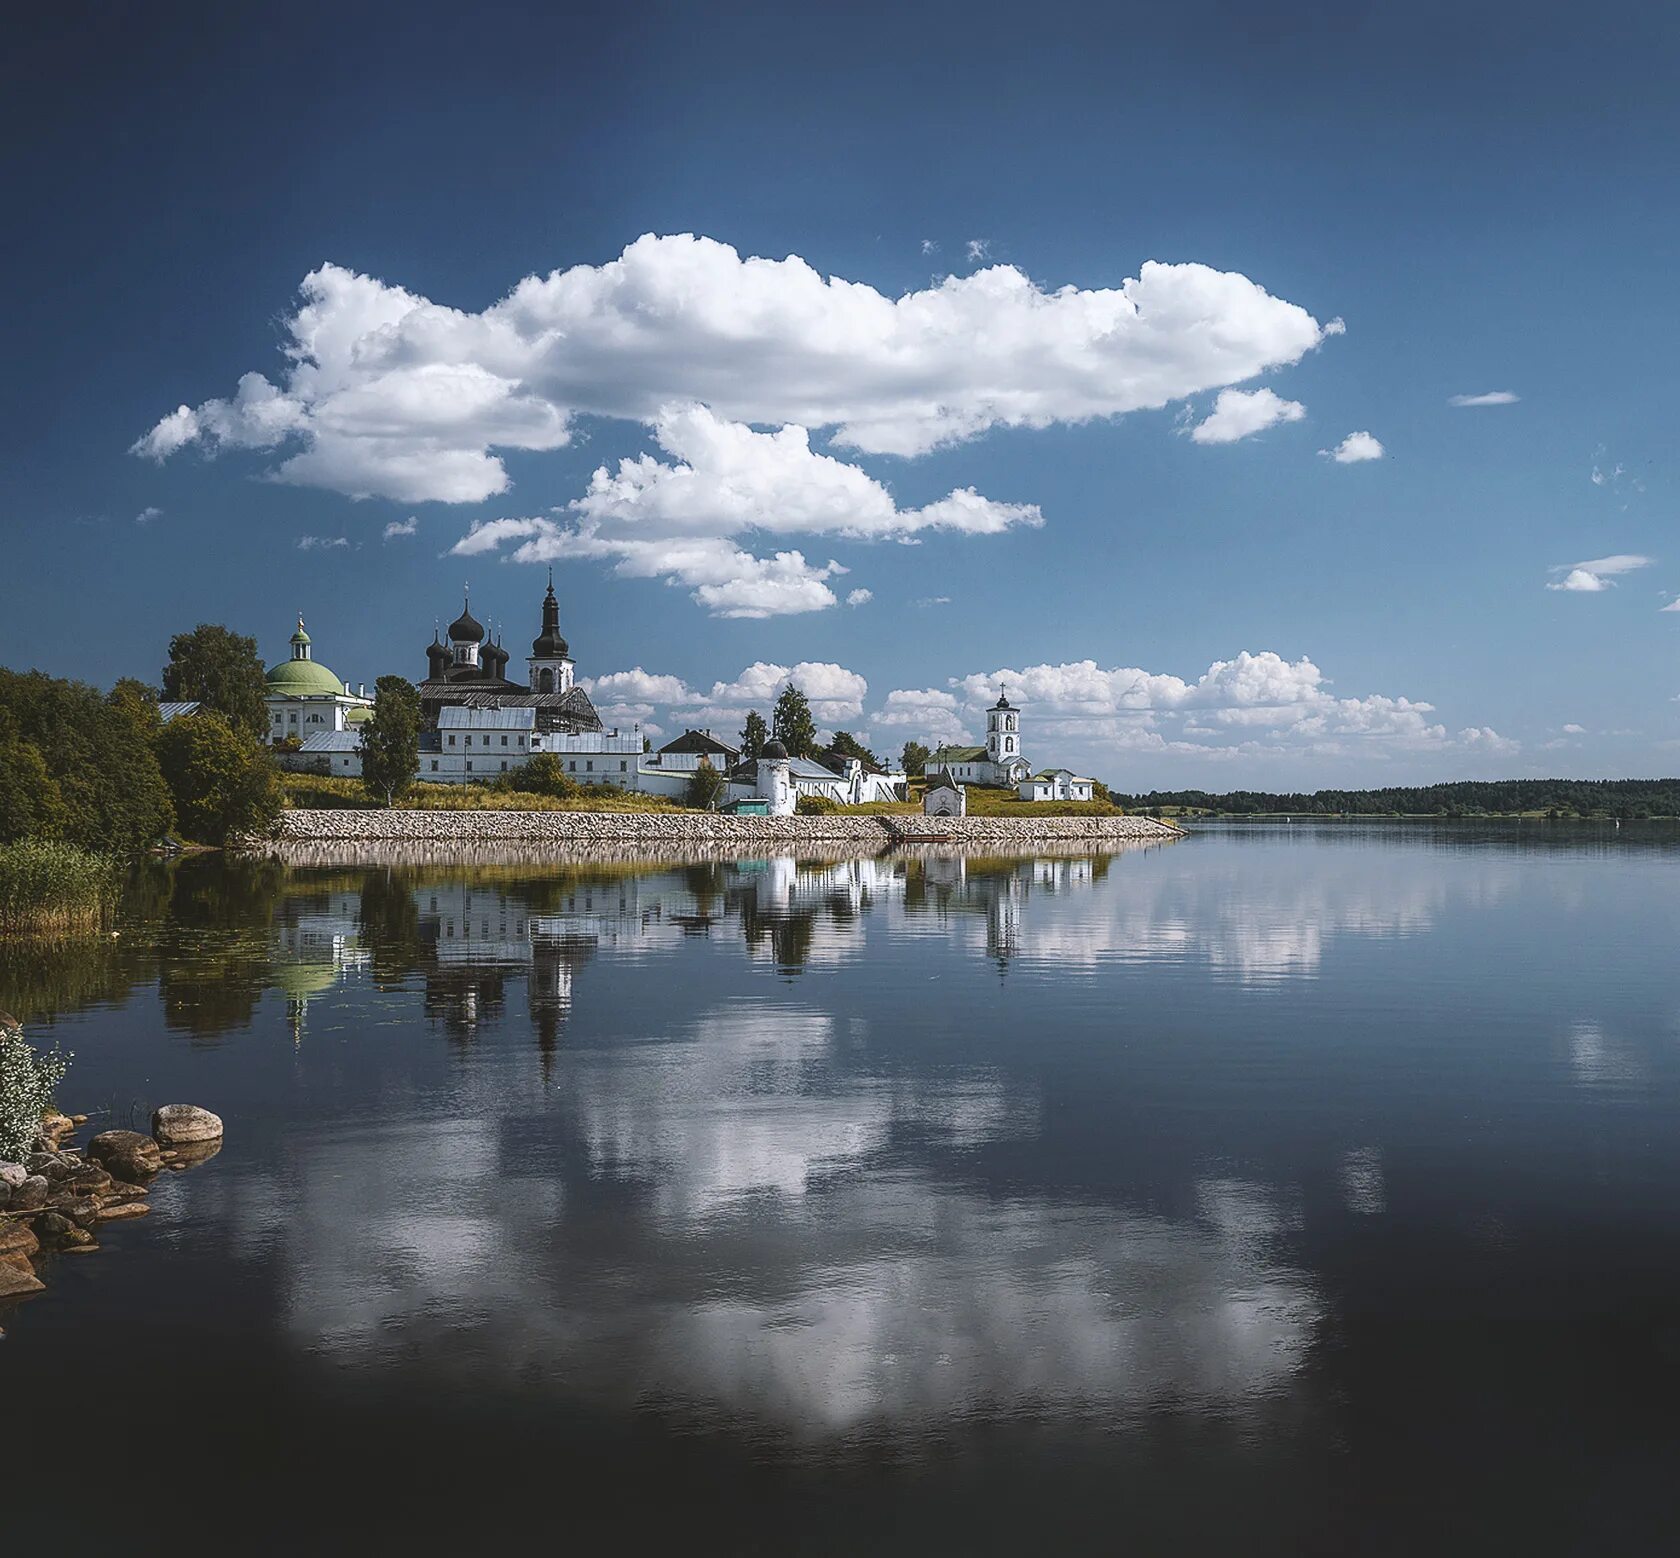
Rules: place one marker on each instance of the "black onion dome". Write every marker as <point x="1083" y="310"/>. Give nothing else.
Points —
<point x="465" y="629"/>
<point x="1003" y="702"/>
<point x="774" y="749"/>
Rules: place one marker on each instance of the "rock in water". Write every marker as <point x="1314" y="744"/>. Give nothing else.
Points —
<point x="17" y="1277"/>
<point x="191" y="1156"/>
<point x="118" y="1211"/>
<point x="126" y="1154"/>
<point x="81" y="1210"/>
<point x="176" y="1124"/>
<point x="17" y="1239"/>
<point x="57" y="1232"/>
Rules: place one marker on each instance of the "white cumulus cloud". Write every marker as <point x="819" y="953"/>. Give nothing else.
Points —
<point x="675" y="520"/>
<point x="1596" y="573"/>
<point x="401" y="527"/>
<point x="1353" y="449"/>
<point x="727" y="478"/>
<point x="388" y="393"/>
<point x="321" y="543"/>
<point x="1240" y="413"/>
<point x="860" y="597"/>
<point x="636" y="686"/>
<point x="1252" y="696"/>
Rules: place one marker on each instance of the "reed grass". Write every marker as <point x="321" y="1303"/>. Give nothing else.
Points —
<point x="54" y="889"/>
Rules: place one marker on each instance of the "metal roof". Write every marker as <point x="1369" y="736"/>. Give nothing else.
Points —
<point x="333" y="741"/>
<point x="457" y="717"/>
<point x="169" y="711"/>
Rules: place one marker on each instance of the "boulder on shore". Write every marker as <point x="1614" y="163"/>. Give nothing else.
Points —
<point x="17" y="1239"/>
<point x="32" y="1193"/>
<point x="184" y="1124"/>
<point x="58" y="1232"/>
<point x="126" y="1154"/>
<point x="17" y="1277"/>
<point x="12" y="1175"/>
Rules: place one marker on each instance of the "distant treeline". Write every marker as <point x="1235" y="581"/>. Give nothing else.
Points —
<point x="1626" y="799"/>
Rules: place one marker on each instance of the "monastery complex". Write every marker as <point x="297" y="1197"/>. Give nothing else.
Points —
<point x="478" y="724"/>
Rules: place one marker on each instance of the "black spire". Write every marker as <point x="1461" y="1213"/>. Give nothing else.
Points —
<point x="549" y="645"/>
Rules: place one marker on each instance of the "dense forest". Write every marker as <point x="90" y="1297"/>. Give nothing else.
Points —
<point x="1626" y="799"/>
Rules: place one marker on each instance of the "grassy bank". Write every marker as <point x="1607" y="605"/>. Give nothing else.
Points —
<point x="332" y="793"/>
<point x="49" y="889"/>
<point x="986" y="802"/>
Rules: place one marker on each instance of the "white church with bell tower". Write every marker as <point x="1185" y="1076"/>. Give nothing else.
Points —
<point x="1000" y="762"/>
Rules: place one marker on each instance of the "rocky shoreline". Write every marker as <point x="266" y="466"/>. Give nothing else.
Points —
<point x="55" y="1201"/>
<point x="680" y="830"/>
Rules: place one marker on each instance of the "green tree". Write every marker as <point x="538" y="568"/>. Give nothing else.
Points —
<point x="845" y="744"/>
<point x="391" y="739"/>
<point x="705" y="788"/>
<point x="221" y="670"/>
<point x="753" y="736"/>
<point x="223" y="781"/>
<point x="30" y="805"/>
<point x="543" y="774"/>
<point x="791" y="723"/>
<point x="915" y="757"/>
<point x="111" y="795"/>
<point x="138" y="702"/>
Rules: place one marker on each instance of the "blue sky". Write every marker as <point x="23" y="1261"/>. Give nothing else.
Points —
<point x="1337" y="218"/>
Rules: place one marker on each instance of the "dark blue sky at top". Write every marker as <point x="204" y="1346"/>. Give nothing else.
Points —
<point x="1485" y="194"/>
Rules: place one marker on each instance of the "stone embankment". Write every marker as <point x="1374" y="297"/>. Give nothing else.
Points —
<point x="681" y="831"/>
<point x="56" y="1200"/>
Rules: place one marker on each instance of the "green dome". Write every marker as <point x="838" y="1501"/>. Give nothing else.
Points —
<point x="303" y="679"/>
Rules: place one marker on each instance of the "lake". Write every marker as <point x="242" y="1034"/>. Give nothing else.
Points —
<point x="1280" y="1190"/>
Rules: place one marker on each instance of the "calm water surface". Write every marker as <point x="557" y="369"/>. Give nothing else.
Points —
<point x="1282" y="1190"/>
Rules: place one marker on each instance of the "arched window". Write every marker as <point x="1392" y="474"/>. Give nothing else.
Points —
<point x="546" y="682"/>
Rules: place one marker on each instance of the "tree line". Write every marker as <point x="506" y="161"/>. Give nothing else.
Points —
<point x="104" y="772"/>
<point x="1623" y="799"/>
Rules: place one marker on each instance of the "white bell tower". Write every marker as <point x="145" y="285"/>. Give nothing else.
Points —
<point x="1003" y="731"/>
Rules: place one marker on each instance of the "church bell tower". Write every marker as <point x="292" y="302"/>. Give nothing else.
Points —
<point x="1003" y="730"/>
<point x="550" y="663"/>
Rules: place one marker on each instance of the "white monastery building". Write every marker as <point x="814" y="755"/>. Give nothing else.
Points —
<point x="304" y="698"/>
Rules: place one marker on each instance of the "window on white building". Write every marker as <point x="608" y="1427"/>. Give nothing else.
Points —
<point x="452" y="741"/>
<point x="434" y="770"/>
<point x="504" y="743"/>
<point x="469" y="765"/>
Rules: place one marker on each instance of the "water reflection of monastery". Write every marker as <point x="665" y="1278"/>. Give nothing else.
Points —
<point x="469" y="941"/>
<point x="315" y="947"/>
<point x="479" y="937"/>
